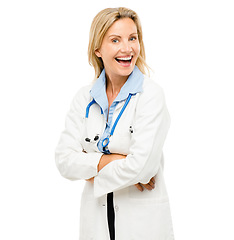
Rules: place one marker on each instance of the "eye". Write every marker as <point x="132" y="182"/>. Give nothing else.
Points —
<point x="115" y="40"/>
<point x="133" y="38"/>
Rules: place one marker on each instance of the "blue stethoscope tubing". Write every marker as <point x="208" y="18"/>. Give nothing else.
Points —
<point x="106" y="140"/>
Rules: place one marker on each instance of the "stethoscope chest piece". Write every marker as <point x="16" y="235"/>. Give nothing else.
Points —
<point x="105" y="142"/>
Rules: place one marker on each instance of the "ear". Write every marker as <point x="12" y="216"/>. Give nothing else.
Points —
<point x="97" y="52"/>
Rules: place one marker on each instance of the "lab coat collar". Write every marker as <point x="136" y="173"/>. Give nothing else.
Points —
<point x="98" y="92"/>
<point x="133" y="85"/>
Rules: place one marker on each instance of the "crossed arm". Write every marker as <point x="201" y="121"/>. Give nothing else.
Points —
<point x="106" y="159"/>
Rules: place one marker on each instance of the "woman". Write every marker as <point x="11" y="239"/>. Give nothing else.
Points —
<point x="115" y="131"/>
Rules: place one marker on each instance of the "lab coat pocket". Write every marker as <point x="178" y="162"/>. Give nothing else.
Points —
<point x="89" y="144"/>
<point x="156" y="195"/>
<point x="150" y="220"/>
<point x="120" y="143"/>
<point x="93" y="128"/>
<point x="90" y="138"/>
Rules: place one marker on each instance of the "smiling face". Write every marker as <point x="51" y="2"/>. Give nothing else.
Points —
<point x="120" y="49"/>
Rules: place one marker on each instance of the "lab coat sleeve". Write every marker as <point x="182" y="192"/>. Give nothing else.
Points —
<point x="151" y="125"/>
<point x="71" y="161"/>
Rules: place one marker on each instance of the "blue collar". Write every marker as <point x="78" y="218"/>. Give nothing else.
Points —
<point x="133" y="85"/>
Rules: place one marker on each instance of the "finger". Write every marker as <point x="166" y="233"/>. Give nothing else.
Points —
<point x="90" y="179"/>
<point x="139" y="187"/>
<point x="152" y="179"/>
<point x="152" y="184"/>
<point x="149" y="185"/>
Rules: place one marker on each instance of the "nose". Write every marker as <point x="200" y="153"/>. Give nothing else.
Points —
<point x="126" y="47"/>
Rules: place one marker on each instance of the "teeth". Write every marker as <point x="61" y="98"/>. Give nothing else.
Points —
<point x="125" y="58"/>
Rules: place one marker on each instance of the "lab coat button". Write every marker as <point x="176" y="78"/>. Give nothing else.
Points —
<point x="116" y="208"/>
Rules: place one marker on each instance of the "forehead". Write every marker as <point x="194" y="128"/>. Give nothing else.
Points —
<point x="122" y="26"/>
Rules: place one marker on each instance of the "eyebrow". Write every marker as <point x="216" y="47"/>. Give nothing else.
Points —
<point x="116" y="35"/>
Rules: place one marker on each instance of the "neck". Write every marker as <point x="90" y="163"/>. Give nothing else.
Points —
<point x="114" y="85"/>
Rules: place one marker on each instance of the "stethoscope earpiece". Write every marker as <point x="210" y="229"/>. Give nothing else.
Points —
<point x="95" y="139"/>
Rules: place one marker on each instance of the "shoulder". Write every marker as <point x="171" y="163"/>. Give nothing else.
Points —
<point x="82" y="97"/>
<point x="151" y="101"/>
<point x="151" y="90"/>
<point x="83" y="92"/>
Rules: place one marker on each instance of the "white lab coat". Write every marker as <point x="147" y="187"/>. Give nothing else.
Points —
<point x="138" y="215"/>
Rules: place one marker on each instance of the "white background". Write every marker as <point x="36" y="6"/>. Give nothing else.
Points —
<point x="43" y="62"/>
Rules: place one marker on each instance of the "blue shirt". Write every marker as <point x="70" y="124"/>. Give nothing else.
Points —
<point x="133" y="85"/>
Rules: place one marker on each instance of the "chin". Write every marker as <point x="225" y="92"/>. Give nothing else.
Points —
<point x="126" y="72"/>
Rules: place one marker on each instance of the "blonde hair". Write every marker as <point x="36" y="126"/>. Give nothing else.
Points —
<point x="100" y="25"/>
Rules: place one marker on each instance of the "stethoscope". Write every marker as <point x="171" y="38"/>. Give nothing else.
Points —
<point x="106" y="140"/>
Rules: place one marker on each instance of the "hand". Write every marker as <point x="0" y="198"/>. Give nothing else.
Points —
<point x="150" y="185"/>
<point x="90" y="180"/>
<point x="107" y="158"/>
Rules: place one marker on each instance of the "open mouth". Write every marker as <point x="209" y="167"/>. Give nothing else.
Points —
<point x="124" y="60"/>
